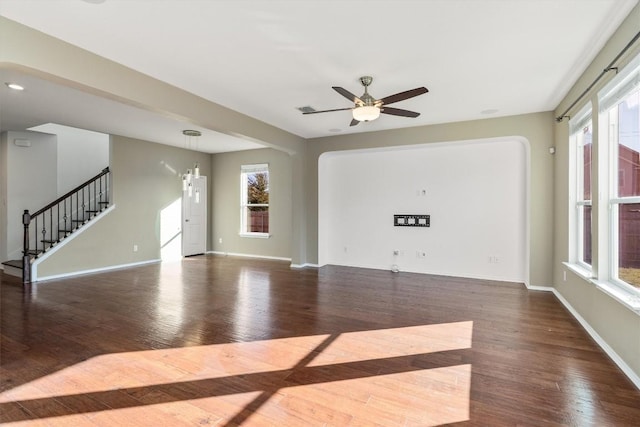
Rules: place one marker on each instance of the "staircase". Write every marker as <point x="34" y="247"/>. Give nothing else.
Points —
<point x="46" y="228"/>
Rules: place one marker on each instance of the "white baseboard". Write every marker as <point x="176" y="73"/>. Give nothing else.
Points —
<point x="97" y="270"/>
<point x="305" y="265"/>
<point x="540" y="288"/>
<point x="264" y="257"/>
<point x="635" y="379"/>
<point x="249" y="255"/>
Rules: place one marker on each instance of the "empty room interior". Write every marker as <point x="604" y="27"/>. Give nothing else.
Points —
<point x="319" y="213"/>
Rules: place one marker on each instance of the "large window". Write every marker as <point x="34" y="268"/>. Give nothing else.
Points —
<point x="620" y="119"/>
<point x="581" y="139"/>
<point x="624" y="137"/>
<point x="254" y="200"/>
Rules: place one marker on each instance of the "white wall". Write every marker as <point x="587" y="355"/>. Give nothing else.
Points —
<point x="82" y="154"/>
<point x="31" y="182"/>
<point x="475" y="192"/>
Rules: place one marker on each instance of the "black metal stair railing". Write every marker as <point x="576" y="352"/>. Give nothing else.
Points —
<point x="50" y="225"/>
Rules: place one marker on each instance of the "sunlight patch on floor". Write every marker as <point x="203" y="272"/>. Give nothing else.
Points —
<point x="331" y="379"/>
<point x="383" y="343"/>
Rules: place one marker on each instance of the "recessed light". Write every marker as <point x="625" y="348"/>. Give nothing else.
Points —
<point x="94" y="1"/>
<point x="489" y="111"/>
<point x="335" y="130"/>
<point x="14" y="86"/>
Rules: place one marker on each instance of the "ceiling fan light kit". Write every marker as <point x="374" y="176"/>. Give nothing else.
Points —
<point x="366" y="113"/>
<point x="366" y="108"/>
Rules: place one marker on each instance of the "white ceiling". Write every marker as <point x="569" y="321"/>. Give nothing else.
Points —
<point x="265" y="58"/>
<point x="41" y="101"/>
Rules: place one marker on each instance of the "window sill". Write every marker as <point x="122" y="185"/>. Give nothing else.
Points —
<point x="627" y="298"/>
<point x="624" y="297"/>
<point x="256" y="235"/>
<point x="584" y="273"/>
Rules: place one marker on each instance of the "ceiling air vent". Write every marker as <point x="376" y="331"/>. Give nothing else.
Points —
<point x="306" y="109"/>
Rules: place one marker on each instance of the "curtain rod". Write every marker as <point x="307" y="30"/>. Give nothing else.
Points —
<point x="605" y="71"/>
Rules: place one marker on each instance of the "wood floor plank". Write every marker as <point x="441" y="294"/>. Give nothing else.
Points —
<point x="229" y="341"/>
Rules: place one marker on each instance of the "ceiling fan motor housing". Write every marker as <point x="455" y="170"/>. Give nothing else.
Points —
<point x="367" y="100"/>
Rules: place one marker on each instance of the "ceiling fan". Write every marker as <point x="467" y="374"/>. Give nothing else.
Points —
<point x="368" y="108"/>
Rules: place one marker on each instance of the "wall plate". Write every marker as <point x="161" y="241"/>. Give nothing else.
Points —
<point x="412" y="220"/>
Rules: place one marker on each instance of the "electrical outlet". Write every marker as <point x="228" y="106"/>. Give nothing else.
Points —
<point x="135" y="248"/>
<point x="220" y="240"/>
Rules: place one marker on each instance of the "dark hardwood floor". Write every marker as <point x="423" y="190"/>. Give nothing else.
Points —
<point x="227" y="341"/>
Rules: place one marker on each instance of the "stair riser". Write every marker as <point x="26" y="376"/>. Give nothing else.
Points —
<point x="12" y="271"/>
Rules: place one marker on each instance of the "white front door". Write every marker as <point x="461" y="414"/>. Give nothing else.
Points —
<point x="194" y="218"/>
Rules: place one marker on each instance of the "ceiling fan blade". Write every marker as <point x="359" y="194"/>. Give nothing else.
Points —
<point x="403" y="95"/>
<point x="351" y="97"/>
<point x="354" y="122"/>
<point x="328" y="111"/>
<point x="398" y="112"/>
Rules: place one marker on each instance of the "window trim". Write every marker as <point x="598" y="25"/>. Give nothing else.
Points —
<point x="625" y="83"/>
<point x="577" y="202"/>
<point x="244" y="170"/>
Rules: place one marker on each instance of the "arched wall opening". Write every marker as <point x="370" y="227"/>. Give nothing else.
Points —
<point x="475" y="192"/>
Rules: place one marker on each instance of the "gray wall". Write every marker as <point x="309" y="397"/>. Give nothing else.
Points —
<point x="617" y="325"/>
<point x="225" y="192"/>
<point x="146" y="179"/>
